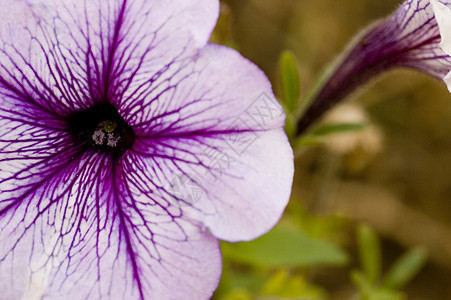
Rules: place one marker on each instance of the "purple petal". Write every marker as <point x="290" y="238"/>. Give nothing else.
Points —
<point x="79" y="51"/>
<point x="409" y="38"/>
<point x="103" y="233"/>
<point x="223" y="125"/>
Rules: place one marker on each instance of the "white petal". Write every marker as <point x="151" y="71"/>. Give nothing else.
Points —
<point x="443" y="17"/>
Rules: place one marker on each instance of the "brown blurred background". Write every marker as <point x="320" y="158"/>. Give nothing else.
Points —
<point x="397" y="175"/>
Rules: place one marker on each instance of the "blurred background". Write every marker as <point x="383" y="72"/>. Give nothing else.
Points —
<point x="361" y="198"/>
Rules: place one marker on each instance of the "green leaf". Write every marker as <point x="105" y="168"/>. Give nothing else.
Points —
<point x="361" y="282"/>
<point x="304" y="141"/>
<point x="290" y="125"/>
<point x="405" y="268"/>
<point x="284" y="285"/>
<point x="382" y="294"/>
<point x="327" y="129"/>
<point x="369" y="292"/>
<point x="289" y="81"/>
<point x="369" y="252"/>
<point x="285" y="247"/>
<point x="314" y="138"/>
<point x="237" y="295"/>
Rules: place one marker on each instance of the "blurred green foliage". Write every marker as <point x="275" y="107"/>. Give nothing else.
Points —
<point x="284" y="247"/>
<point x="290" y="90"/>
<point x="369" y="282"/>
<point x="313" y="137"/>
<point x="289" y="81"/>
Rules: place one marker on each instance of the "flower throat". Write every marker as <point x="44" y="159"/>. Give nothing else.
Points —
<point x="101" y="128"/>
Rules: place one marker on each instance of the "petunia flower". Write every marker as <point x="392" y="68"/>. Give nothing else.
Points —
<point x="128" y="147"/>
<point x="409" y="38"/>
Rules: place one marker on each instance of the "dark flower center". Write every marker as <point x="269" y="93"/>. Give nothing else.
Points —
<point x="100" y="127"/>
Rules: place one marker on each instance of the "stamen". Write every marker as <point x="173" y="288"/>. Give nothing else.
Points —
<point x="99" y="137"/>
<point x="113" y="140"/>
<point x="105" y="134"/>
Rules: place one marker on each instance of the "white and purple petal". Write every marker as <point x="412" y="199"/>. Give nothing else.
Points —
<point x="70" y="52"/>
<point x="443" y="16"/>
<point x="102" y="233"/>
<point x="224" y="126"/>
<point x="409" y="38"/>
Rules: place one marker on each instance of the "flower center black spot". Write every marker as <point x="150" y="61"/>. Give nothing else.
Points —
<point x="101" y="128"/>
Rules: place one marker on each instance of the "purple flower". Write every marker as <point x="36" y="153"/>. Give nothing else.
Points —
<point x="409" y="38"/>
<point x="128" y="147"/>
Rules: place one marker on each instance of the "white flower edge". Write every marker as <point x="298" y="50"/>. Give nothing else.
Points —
<point x="443" y="17"/>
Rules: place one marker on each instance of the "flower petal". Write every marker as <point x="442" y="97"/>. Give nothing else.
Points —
<point x="220" y="126"/>
<point x="99" y="234"/>
<point x="251" y="187"/>
<point x="409" y="38"/>
<point x="76" y="52"/>
<point x="443" y="17"/>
